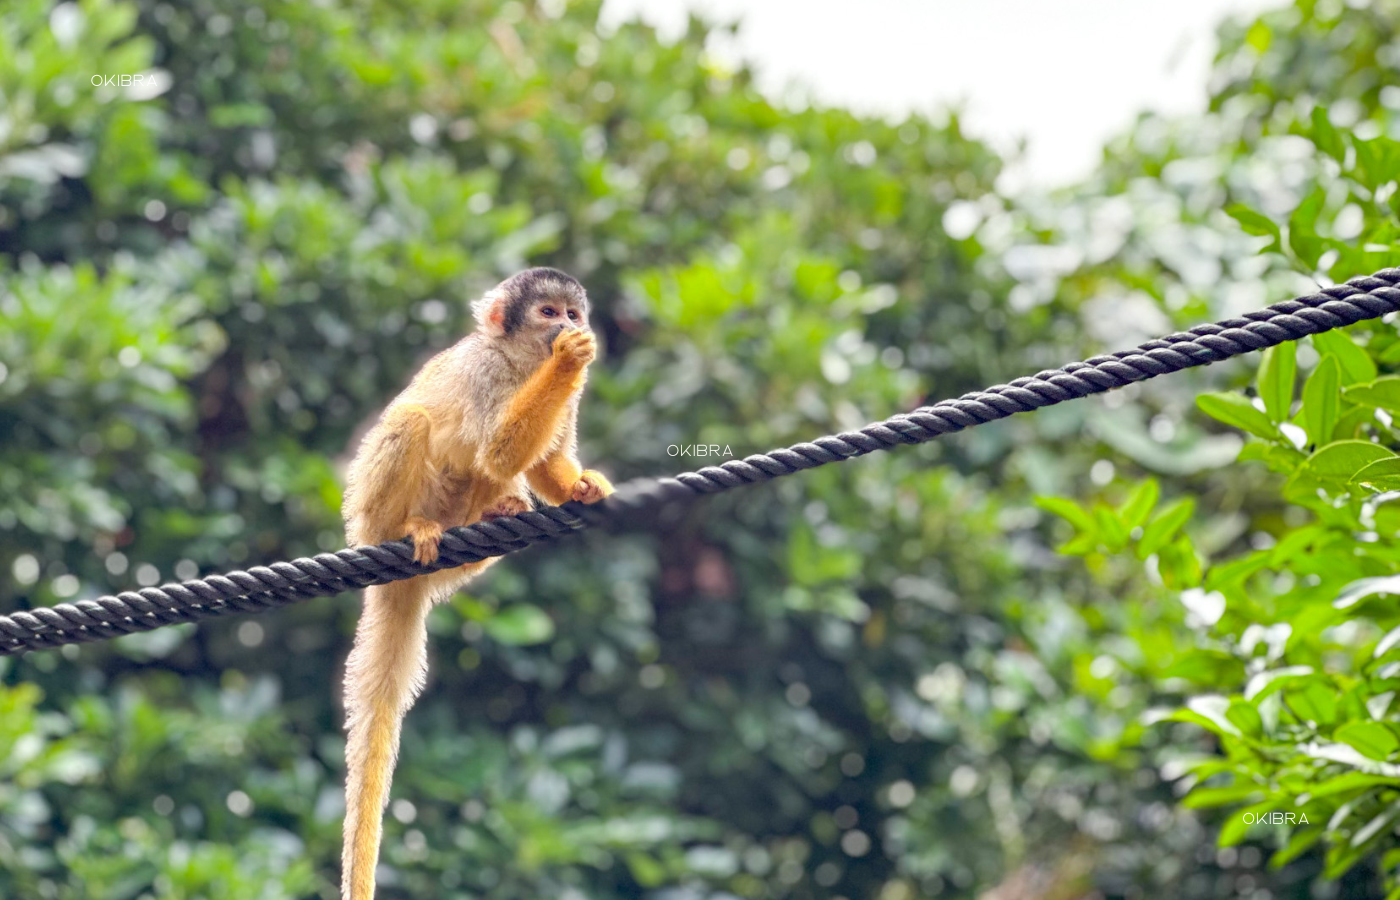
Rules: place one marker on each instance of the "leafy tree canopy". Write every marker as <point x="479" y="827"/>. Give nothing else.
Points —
<point x="875" y="680"/>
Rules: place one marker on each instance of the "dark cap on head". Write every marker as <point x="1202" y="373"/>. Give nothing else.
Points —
<point x="521" y="290"/>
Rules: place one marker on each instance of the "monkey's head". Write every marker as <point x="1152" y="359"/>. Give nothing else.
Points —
<point x="530" y="308"/>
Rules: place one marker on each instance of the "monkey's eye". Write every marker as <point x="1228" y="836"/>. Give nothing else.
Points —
<point x="549" y="312"/>
<point x="573" y="315"/>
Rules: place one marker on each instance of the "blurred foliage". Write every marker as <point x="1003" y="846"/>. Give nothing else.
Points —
<point x="1292" y="658"/>
<point x="874" y="680"/>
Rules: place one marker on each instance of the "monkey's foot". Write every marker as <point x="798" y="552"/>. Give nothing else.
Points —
<point x="425" y="534"/>
<point x="575" y="348"/>
<point x="591" y="487"/>
<point x="506" y="506"/>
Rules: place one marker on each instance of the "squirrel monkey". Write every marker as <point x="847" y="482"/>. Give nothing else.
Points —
<point x="484" y="423"/>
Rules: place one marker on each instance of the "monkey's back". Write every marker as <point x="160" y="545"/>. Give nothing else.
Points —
<point x="431" y="432"/>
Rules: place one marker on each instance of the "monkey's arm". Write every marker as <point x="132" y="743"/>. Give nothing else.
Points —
<point x="558" y="478"/>
<point x="535" y="414"/>
<point x="390" y="485"/>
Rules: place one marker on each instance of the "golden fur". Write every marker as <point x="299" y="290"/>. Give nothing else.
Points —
<point x="481" y="425"/>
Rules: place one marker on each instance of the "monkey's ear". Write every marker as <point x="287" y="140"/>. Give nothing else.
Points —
<point x="490" y="312"/>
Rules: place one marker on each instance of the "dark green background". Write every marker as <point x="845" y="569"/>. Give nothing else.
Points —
<point x="876" y="680"/>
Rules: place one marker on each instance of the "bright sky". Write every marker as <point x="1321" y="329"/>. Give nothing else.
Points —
<point x="1066" y="74"/>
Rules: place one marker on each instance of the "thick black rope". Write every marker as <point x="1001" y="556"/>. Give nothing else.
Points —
<point x="265" y="587"/>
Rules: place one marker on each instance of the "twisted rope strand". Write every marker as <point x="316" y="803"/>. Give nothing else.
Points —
<point x="266" y="587"/>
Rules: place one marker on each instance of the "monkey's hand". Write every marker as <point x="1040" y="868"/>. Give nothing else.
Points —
<point x="425" y="534"/>
<point x="591" y="487"/>
<point x="575" y="349"/>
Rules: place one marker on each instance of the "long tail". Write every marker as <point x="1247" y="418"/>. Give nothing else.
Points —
<point x="383" y="676"/>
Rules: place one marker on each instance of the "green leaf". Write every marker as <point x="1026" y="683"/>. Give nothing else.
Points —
<point x="1383" y="393"/>
<point x="1314" y="618"/>
<point x="1387" y="643"/>
<point x="1135" y="510"/>
<point x="1235" y="571"/>
<point x="1315" y="703"/>
<point x="1237" y="410"/>
<point x="1216" y="723"/>
<point x="813" y="563"/>
<point x="1179" y="565"/>
<point x="1362" y="588"/>
<point x="1277" y="371"/>
<point x="1321" y="401"/>
<point x="1259" y="36"/>
<point x="648" y="872"/>
<point x="1079" y="545"/>
<point x="521" y="625"/>
<point x="1212" y="766"/>
<point x="1164" y="526"/>
<point x="1263" y="684"/>
<point x="1334" y="466"/>
<point x="1294" y="542"/>
<point x="1202" y="798"/>
<point x="1302" y="228"/>
<point x="240" y="115"/>
<point x="1278" y="458"/>
<point x="1377" y="160"/>
<point x="1325" y="137"/>
<point x="1245" y="717"/>
<point x="1340" y="858"/>
<point x="1256" y="224"/>
<point x="1375" y="826"/>
<point x="1068" y="510"/>
<point x="1111" y="529"/>
<point x="1206" y="666"/>
<point x="1357" y="367"/>
<point x="1371" y="739"/>
<point x="1349" y="424"/>
<point x="1299" y="843"/>
<point x="1380" y="476"/>
<point x="1351" y="781"/>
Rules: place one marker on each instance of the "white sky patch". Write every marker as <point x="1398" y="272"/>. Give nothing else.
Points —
<point x="1065" y="75"/>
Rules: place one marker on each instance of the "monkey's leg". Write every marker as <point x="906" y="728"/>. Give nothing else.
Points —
<point x="535" y="415"/>
<point x="393" y="487"/>
<point x="426" y="534"/>
<point x="509" y="505"/>
<point x="559" y="478"/>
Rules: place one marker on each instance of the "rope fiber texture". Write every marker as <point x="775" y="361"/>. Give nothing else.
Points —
<point x="281" y="583"/>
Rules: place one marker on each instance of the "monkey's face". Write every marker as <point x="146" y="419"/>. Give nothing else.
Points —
<point x="547" y="317"/>
<point x="530" y="309"/>
<point x="544" y="318"/>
